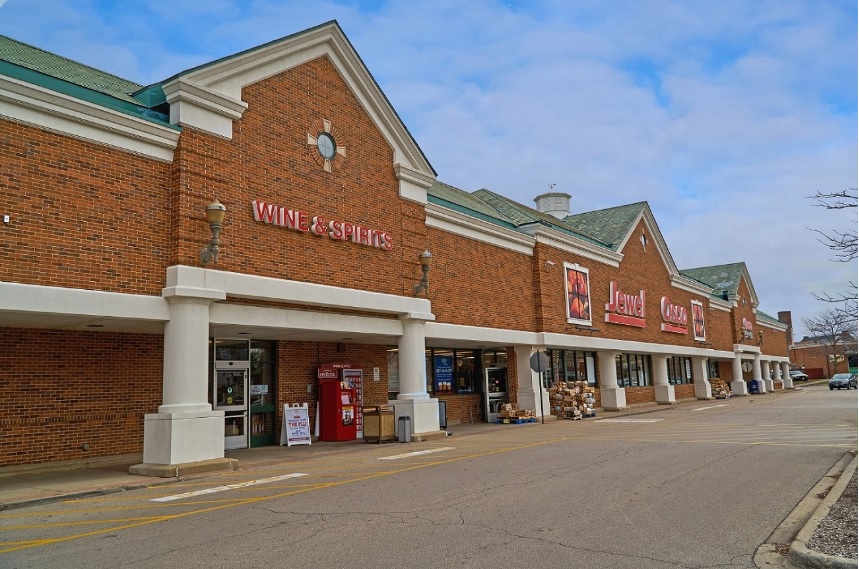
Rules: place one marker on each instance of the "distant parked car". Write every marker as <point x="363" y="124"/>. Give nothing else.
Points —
<point x="798" y="375"/>
<point x="842" y="381"/>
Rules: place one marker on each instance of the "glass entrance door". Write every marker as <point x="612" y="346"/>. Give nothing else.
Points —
<point x="231" y="397"/>
<point x="495" y="389"/>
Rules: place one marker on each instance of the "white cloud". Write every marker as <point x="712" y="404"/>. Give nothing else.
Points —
<point x="723" y="114"/>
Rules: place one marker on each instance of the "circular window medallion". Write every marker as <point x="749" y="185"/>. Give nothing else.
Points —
<point x="323" y="146"/>
<point x="326" y="145"/>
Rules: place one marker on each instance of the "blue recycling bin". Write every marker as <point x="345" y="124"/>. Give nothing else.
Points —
<point x="754" y="386"/>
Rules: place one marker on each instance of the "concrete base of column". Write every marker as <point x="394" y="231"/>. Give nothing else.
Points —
<point x="531" y="400"/>
<point x="665" y="394"/>
<point x="425" y="422"/>
<point x="703" y="390"/>
<point x="769" y="385"/>
<point x="613" y="399"/>
<point x="788" y="383"/>
<point x="739" y="388"/>
<point x="179" y="438"/>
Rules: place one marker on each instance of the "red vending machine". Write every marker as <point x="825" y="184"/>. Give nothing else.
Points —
<point x="338" y="406"/>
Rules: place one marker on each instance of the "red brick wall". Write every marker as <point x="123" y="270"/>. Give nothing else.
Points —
<point x="298" y="362"/>
<point x="640" y="395"/>
<point x="684" y="391"/>
<point x="814" y="360"/>
<point x="269" y="159"/>
<point x="63" y="389"/>
<point x="463" y="408"/>
<point x="82" y="215"/>
<point x="641" y="269"/>
<point x="477" y="284"/>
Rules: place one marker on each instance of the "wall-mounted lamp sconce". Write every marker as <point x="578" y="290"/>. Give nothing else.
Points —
<point x="215" y="214"/>
<point x="423" y="285"/>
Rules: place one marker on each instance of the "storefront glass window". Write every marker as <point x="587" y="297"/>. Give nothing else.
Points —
<point x="633" y="370"/>
<point x="572" y="365"/>
<point x="712" y="368"/>
<point x="494" y="358"/>
<point x="466" y="372"/>
<point x="393" y="373"/>
<point x="679" y="370"/>
<point x="455" y="371"/>
<point x="231" y="350"/>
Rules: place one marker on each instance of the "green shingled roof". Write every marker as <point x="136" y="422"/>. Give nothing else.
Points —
<point x="448" y="195"/>
<point x="610" y="225"/>
<point x="61" y="68"/>
<point x="524" y="215"/>
<point x="721" y="278"/>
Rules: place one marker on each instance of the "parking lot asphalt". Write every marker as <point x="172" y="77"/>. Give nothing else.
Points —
<point x="41" y="484"/>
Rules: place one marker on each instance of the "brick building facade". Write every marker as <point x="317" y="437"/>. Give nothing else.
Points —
<point x="119" y="341"/>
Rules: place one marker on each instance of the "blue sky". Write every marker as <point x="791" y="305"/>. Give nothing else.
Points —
<point x="725" y="115"/>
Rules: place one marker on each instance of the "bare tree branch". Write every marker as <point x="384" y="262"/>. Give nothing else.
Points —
<point x="844" y="244"/>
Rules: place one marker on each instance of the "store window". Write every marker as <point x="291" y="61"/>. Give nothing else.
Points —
<point x="712" y="368"/>
<point x="456" y="371"/>
<point x="494" y="358"/>
<point x="571" y="365"/>
<point x="393" y="373"/>
<point x="633" y="370"/>
<point x="679" y="370"/>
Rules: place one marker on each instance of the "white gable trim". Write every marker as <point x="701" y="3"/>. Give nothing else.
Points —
<point x="224" y="81"/>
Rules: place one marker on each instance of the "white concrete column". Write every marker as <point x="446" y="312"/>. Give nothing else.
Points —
<point x="769" y="384"/>
<point x="756" y="373"/>
<point x="413" y="400"/>
<point x="664" y="390"/>
<point x="785" y="375"/>
<point x="612" y="397"/>
<point x="186" y="358"/>
<point x="530" y="393"/>
<point x="700" y="374"/>
<point x="185" y="429"/>
<point x="738" y="384"/>
<point x="413" y="370"/>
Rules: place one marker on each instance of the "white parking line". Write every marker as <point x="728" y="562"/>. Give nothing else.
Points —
<point x="629" y="421"/>
<point x="227" y="487"/>
<point x="710" y="407"/>
<point x="416" y="453"/>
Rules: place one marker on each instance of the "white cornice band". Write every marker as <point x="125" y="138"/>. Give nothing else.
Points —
<point x="69" y="116"/>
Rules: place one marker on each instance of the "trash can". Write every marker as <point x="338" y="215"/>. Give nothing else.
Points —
<point x="754" y="386"/>
<point x="378" y="424"/>
<point x="404" y="429"/>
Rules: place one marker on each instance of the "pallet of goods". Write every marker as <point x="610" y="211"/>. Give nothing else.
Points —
<point x="720" y="389"/>
<point x="509" y="414"/>
<point x="572" y="400"/>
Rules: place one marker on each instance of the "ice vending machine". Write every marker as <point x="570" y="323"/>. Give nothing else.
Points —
<point x="338" y="406"/>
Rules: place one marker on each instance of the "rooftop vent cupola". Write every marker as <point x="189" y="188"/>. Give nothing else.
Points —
<point x="554" y="203"/>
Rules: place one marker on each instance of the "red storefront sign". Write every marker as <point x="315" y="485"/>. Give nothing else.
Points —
<point x="674" y="318"/>
<point x="334" y="229"/>
<point x="625" y="309"/>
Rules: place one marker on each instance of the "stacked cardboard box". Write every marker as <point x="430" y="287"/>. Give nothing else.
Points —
<point x="720" y="389"/>
<point x="572" y="400"/>
<point x="510" y="411"/>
